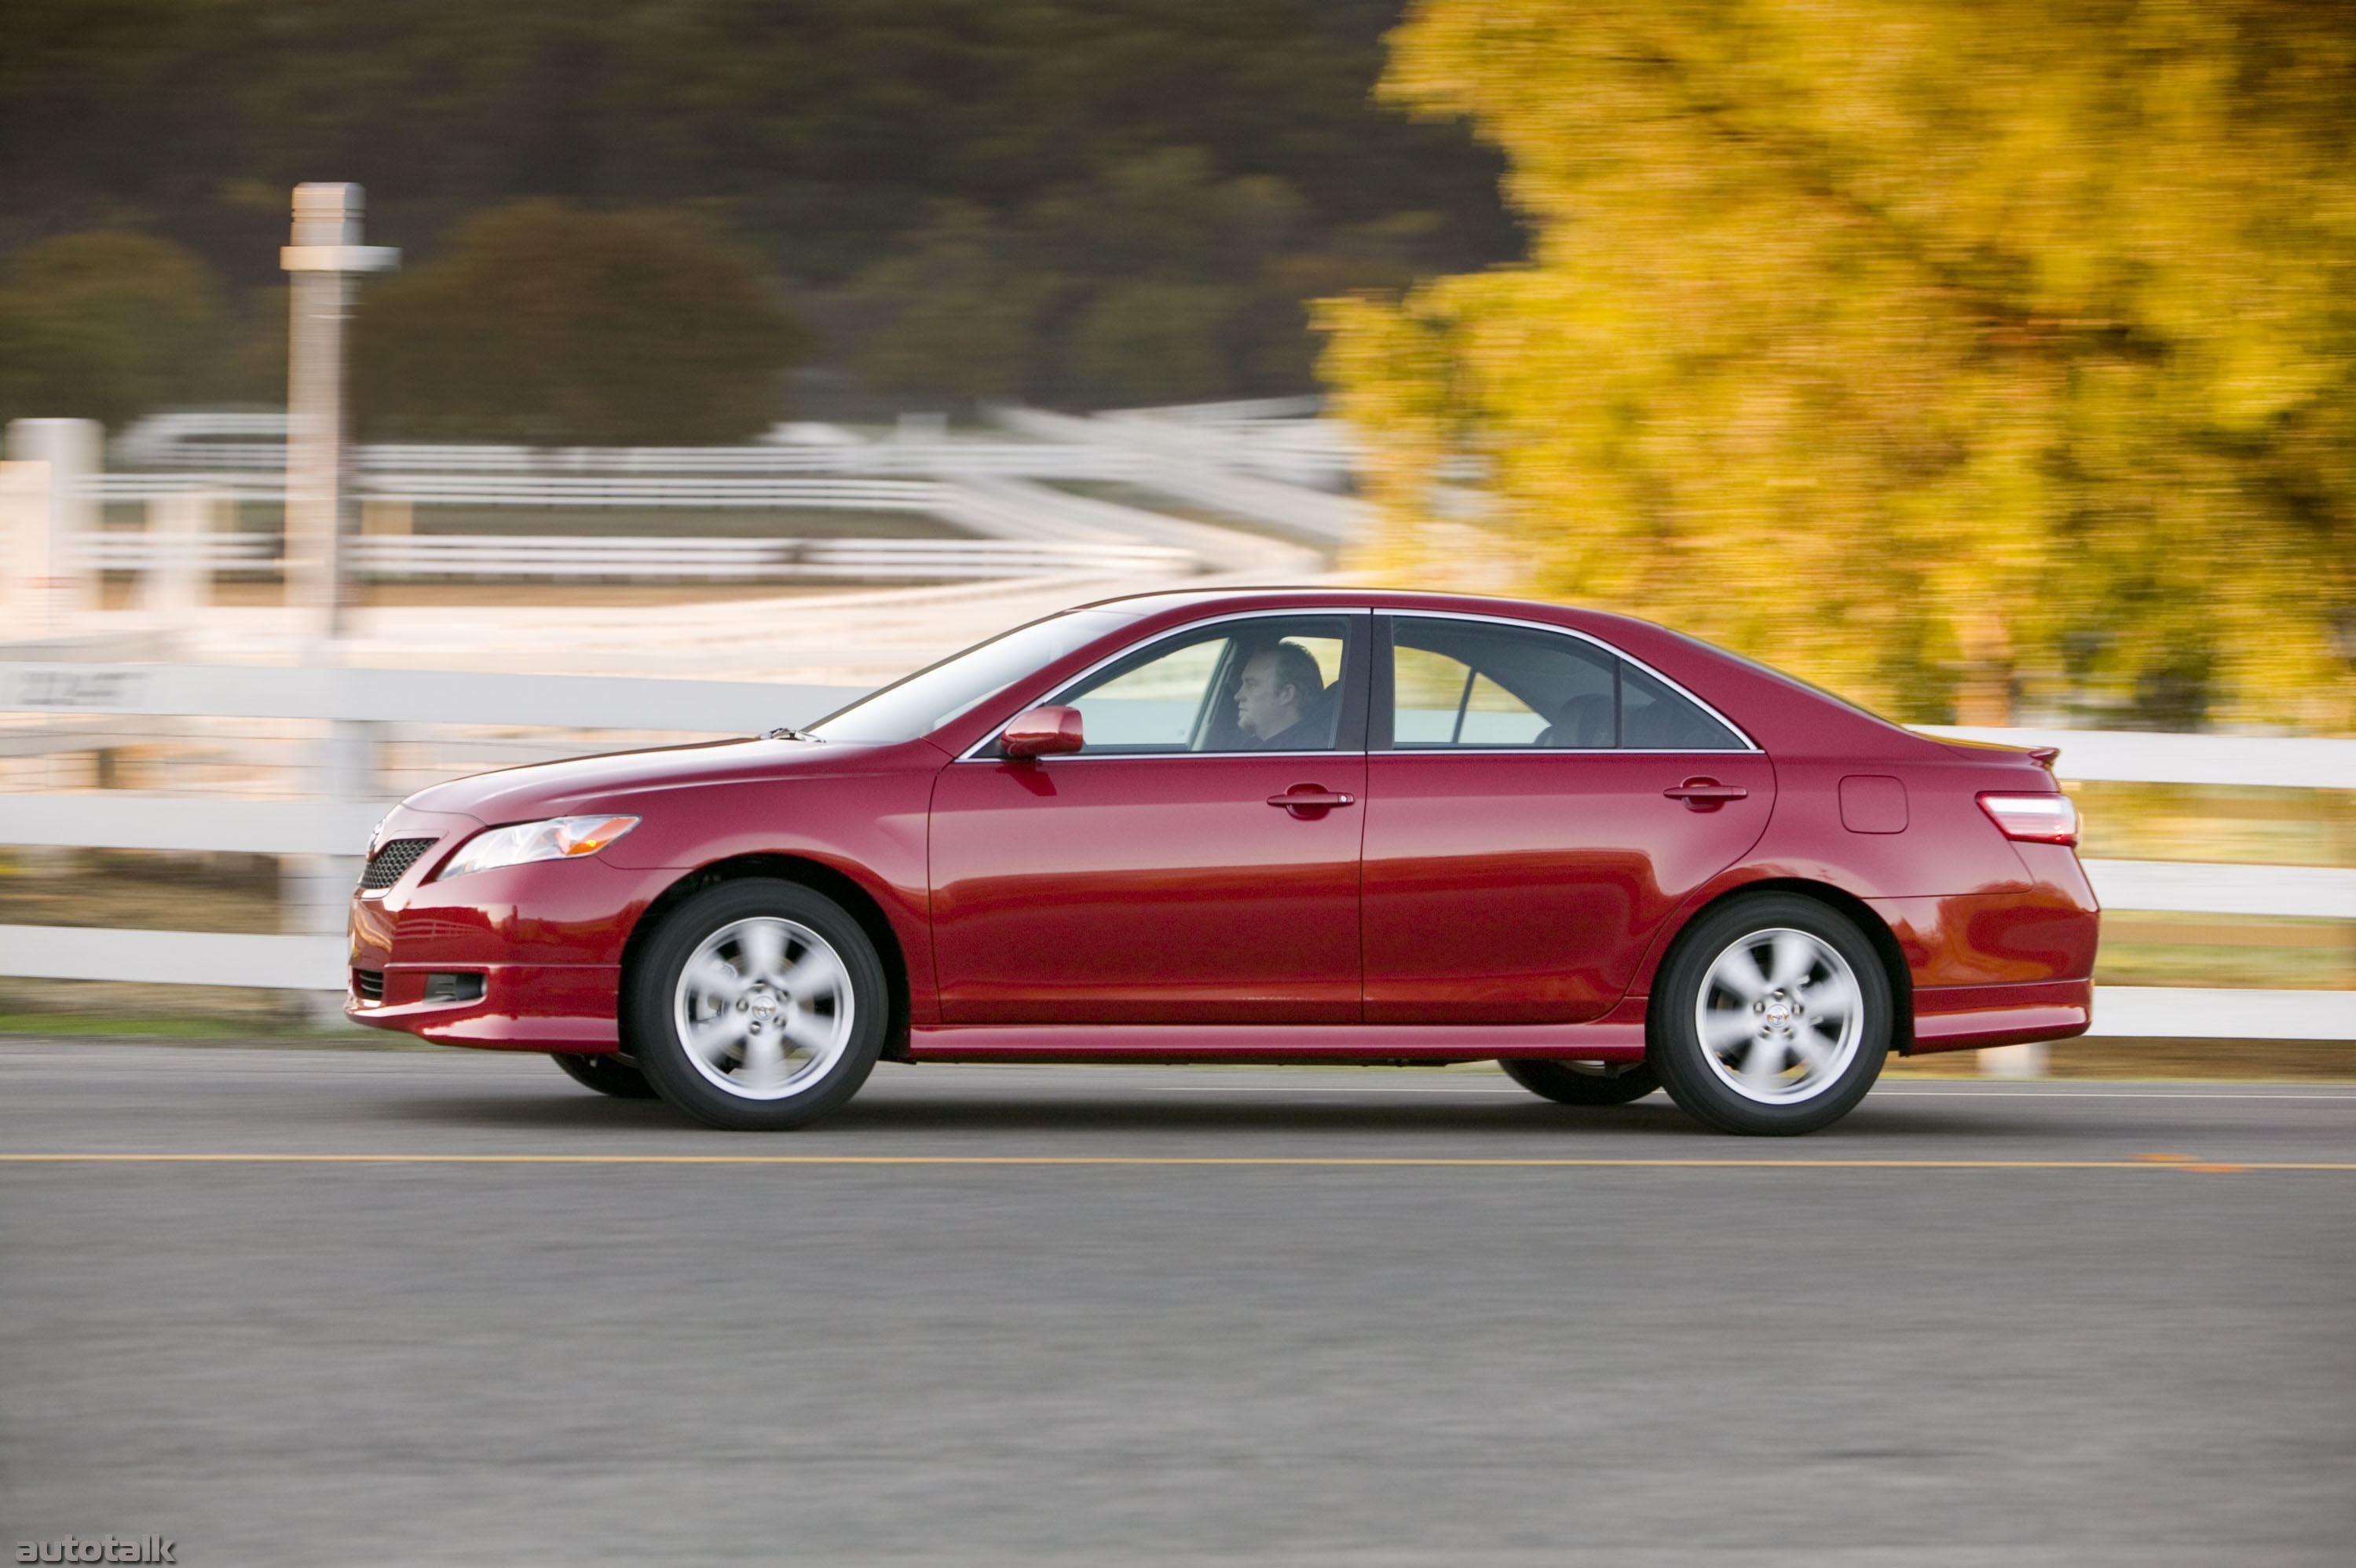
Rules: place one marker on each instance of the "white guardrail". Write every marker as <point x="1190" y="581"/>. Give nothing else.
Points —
<point x="133" y="820"/>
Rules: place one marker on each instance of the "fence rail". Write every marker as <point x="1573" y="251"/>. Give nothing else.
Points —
<point x="124" y="820"/>
<point x="597" y="556"/>
<point x="416" y="696"/>
<point x="202" y="445"/>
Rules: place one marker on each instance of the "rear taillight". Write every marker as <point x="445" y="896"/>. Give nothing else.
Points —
<point x="2035" y="818"/>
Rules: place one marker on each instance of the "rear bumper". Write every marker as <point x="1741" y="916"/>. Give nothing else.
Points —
<point x="1966" y="1018"/>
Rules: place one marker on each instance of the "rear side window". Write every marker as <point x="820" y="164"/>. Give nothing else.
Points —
<point x="1465" y="684"/>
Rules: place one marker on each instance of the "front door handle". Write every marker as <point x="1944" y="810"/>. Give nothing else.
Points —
<point x="1301" y="798"/>
<point x="1705" y="795"/>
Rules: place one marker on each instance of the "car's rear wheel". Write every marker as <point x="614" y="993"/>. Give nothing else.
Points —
<point x="1585" y="1083"/>
<point x="1772" y="1016"/>
<point x="606" y="1074"/>
<point x="759" y="1005"/>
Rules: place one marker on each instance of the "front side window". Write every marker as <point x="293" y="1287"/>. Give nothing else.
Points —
<point x="1477" y="684"/>
<point x="1265" y="684"/>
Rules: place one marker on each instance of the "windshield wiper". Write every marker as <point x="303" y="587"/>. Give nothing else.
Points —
<point x="786" y="733"/>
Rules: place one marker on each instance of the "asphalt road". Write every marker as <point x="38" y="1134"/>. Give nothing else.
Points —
<point x="1101" y="1316"/>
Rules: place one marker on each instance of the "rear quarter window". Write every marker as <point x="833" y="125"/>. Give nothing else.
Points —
<point x="1653" y="718"/>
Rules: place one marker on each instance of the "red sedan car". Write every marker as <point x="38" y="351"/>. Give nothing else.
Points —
<point x="1266" y="825"/>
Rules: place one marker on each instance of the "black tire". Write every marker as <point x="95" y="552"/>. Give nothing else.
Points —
<point x="835" y="1017"/>
<point x="1585" y="1083"/>
<point x="1812" y="1037"/>
<point x="606" y="1074"/>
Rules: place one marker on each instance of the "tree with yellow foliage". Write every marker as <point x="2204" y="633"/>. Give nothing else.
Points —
<point x="1964" y="356"/>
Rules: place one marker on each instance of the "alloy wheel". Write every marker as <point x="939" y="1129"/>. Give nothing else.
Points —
<point x="765" y="1007"/>
<point x="1780" y="1015"/>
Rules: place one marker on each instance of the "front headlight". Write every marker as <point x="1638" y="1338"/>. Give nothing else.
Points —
<point x="557" y="839"/>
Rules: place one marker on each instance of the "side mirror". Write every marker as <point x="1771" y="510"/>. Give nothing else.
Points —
<point x="1042" y="732"/>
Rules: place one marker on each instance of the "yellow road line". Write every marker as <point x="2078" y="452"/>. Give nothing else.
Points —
<point x="1313" y="1161"/>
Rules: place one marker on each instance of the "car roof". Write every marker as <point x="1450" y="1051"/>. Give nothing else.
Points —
<point x="1782" y="712"/>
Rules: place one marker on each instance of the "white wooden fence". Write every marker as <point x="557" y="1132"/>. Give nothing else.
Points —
<point x="641" y="558"/>
<point x="1250" y="460"/>
<point x="131" y="820"/>
<point x="204" y="444"/>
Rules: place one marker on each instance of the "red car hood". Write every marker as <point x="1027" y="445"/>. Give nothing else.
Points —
<point x="583" y="784"/>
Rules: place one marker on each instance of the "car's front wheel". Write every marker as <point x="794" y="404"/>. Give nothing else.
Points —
<point x="1772" y="1016"/>
<point x="1584" y="1083"/>
<point x="758" y="1005"/>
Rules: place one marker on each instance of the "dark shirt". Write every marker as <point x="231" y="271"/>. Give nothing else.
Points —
<point x="1298" y="736"/>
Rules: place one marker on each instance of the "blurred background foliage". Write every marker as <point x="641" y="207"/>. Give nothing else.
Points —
<point x="1071" y="200"/>
<point x="106" y="326"/>
<point x="1978" y="359"/>
<point x="544" y="323"/>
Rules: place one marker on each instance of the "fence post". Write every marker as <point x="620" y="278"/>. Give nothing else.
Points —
<point x="178" y="579"/>
<point x="25" y="548"/>
<point x="66" y="584"/>
<point x="2015" y="1060"/>
<point x="315" y="890"/>
<point x="324" y="256"/>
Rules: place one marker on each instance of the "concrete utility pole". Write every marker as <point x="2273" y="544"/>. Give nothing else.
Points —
<point x="326" y="254"/>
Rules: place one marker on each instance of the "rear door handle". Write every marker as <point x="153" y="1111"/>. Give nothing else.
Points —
<point x="1705" y="795"/>
<point x="1308" y="798"/>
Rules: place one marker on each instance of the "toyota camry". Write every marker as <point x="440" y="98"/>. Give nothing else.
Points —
<point x="1310" y="825"/>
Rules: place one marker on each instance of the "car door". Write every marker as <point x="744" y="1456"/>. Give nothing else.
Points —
<point x="1158" y="874"/>
<point x="1536" y="806"/>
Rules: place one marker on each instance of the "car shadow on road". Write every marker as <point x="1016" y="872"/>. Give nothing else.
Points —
<point x="1024" y="1110"/>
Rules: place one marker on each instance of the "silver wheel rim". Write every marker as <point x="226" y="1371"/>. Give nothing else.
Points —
<point x="1780" y="1015"/>
<point x="764" y="1008"/>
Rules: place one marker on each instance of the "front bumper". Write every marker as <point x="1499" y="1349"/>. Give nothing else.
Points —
<point x="524" y="1006"/>
<point x="544" y="941"/>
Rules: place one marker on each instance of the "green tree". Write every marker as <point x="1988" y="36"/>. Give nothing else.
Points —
<point x="1156" y="281"/>
<point x="822" y="129"/>
<point x="950" y="314"/>
<point x="1150" y="343"/>
<point x="548" y="325"/>
<point x="1203" y="143"/>
<point x="1946" y="351"/>
<point x="107" y="326"/>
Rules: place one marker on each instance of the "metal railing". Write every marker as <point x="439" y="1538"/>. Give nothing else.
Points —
<point x="333" y="828"/>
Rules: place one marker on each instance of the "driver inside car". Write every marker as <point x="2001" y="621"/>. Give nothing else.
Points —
<point x="1280" y="697"/>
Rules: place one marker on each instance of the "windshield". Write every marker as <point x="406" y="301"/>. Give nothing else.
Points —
<point x="923" y="702"/>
